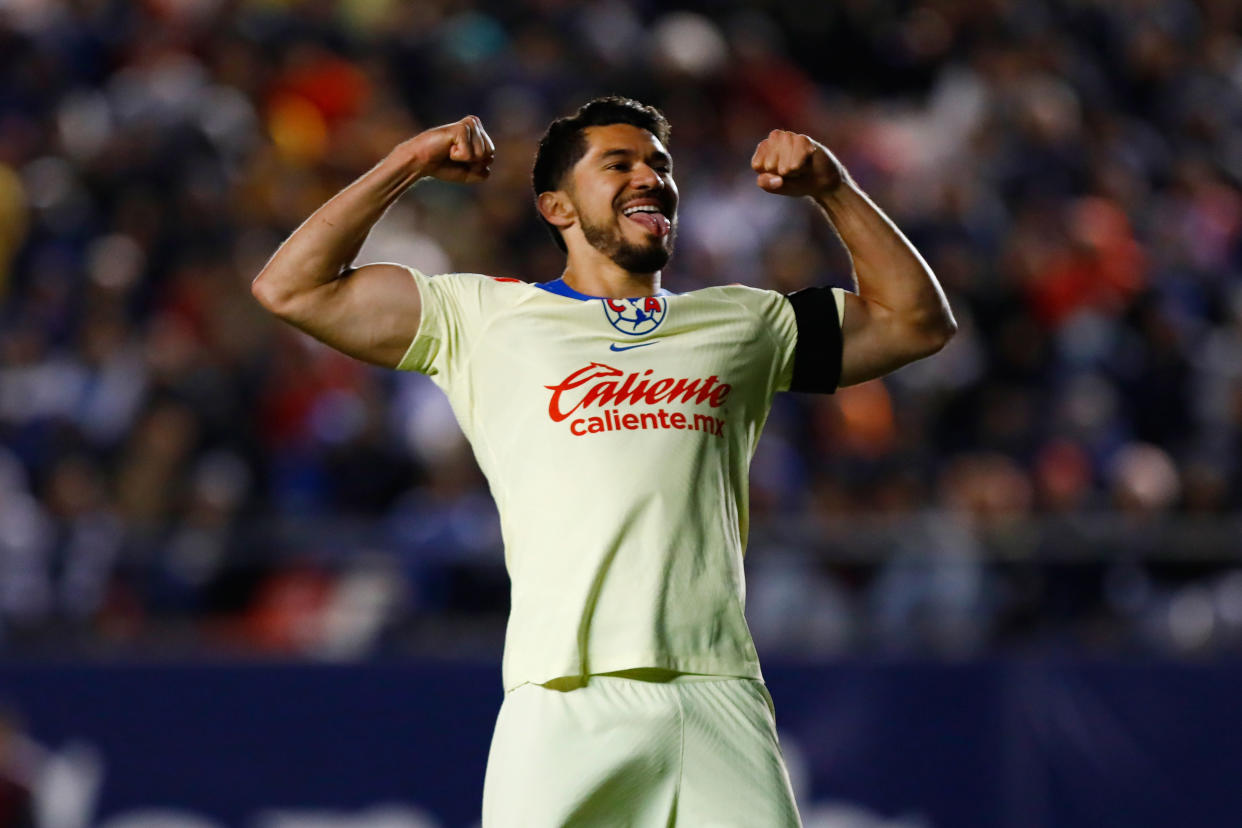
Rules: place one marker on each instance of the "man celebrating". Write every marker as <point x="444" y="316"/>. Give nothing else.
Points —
<point x="633" y="694"/>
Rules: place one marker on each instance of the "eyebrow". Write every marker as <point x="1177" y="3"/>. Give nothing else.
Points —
<point x="658" y="155"/>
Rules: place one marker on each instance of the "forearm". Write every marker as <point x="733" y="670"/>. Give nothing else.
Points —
<point x="900" y="313"/>
<point x="321" y="250"/>
<point x="889" y="271"/>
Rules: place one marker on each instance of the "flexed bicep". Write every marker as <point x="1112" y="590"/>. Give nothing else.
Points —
<point x="371" y="313"/>
<point x="876" y="340"/>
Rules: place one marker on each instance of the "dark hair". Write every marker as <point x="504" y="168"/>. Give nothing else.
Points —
<point x="564" y="144"/>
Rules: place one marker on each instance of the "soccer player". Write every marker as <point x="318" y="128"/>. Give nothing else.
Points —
<point x="615" y="422"/>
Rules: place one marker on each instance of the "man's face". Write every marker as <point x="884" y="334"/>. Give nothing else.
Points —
<point x="625" y="197"/>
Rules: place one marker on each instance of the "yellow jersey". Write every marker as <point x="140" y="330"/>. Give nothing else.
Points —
<point x="616" y="437"/>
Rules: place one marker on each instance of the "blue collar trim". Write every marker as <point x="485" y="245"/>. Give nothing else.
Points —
<point x="559" y="287"/>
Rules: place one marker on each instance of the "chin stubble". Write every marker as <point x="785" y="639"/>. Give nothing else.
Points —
<point x="632" y="257"/>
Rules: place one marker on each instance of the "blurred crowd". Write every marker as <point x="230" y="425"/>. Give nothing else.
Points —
<point x="181" y="473"/>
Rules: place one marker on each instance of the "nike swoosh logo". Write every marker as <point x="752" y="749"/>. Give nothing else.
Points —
<point x="615" y="347"/>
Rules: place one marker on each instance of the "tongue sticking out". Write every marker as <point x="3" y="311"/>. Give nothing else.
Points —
<point x="655" y="223"/>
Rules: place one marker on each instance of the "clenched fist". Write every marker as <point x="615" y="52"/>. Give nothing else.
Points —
<point x="792" y="164"/>
<point x="461" y="151"/>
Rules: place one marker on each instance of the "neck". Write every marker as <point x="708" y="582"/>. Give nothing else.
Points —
<point x="601" y="276"/>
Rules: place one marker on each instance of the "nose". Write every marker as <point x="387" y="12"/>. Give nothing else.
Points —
<point x="645" y="177"/>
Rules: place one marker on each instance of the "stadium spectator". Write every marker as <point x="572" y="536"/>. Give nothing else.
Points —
<point x="169" y="457"/>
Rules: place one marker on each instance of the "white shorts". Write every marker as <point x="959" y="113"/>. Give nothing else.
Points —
<point x="620" y="752"/>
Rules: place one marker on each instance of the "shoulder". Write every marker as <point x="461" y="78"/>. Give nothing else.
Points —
<point x="735" y="293"/>
<point x="758" y="301"/>
<point x="472" y="286"/>
<point x="469" y="281"/>
<point x="767" y="312"/>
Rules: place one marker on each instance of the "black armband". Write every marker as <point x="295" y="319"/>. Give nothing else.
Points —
<point x="817" y="356"/>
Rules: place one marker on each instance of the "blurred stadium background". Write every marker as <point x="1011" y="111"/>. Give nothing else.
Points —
<point x="1002" y="587"/>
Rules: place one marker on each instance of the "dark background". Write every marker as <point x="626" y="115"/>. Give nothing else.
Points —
<point x="869" y="744"/>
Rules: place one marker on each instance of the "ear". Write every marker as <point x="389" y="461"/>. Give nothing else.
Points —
<point x="556" y="209"/>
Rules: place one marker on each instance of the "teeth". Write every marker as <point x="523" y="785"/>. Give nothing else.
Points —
<point x="645" y="208"/>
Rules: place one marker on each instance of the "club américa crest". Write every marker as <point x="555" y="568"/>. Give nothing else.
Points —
<point x="635" y="317"/>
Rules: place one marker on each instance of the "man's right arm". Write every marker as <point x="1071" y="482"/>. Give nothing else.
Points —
<point x="370" y="312"/>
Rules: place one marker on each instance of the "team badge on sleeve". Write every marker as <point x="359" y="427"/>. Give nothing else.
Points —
<point x="635" y="317"/>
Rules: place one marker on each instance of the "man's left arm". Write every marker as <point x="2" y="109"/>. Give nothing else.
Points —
<point x="899" y="313"/>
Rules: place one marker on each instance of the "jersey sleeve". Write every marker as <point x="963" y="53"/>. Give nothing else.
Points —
<point x="775" y="317"/>
<point x="452" y="313"/>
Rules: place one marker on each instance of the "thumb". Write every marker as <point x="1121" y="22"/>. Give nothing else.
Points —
<point x="769" y="181"/>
